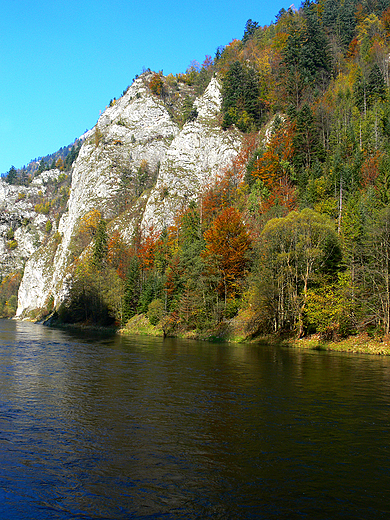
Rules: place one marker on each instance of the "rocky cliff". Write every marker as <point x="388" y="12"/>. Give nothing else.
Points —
<point x="136" y="167"/>
<point x="23" y="229"/>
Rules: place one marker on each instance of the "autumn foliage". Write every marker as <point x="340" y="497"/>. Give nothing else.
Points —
<point x="226" y="252"/>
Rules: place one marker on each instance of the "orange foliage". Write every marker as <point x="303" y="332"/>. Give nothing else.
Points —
<point x="147" y="248"/>
<point x="224" y="190"/>
<point x="270" y="168"/>
<point x="283" y="194"/>
<point x="156" y="85"/>
<point x="370" y="168"/>
<point x="353" y="48"/>
<point x="118" y="254"/>
<point x="227" y="245"/>
<point x="238" y="164"/>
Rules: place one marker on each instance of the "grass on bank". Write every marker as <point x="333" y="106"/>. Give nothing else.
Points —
<point x="233" y="331"/>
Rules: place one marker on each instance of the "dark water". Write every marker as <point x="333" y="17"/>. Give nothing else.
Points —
<point x="118" y="428"/>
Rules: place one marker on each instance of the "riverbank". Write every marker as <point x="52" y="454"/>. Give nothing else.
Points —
<point x="235" y="331"/>
<point x="232" y="332"/>
<point x="359" y="344"/>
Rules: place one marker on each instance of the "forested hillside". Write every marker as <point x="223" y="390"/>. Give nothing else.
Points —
<point x="295" y="234"/>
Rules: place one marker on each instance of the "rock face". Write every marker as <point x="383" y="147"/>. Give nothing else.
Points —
<point x="137" y="167"/>
<point x="22" y="229"/>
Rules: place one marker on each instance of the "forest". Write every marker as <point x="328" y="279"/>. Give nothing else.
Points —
<point x="294" y="236"/>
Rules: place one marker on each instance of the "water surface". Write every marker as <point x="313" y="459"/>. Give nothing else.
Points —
<point x="107" y="427"/>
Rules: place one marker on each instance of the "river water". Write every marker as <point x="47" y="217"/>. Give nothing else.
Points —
<point x="108" y="427"/>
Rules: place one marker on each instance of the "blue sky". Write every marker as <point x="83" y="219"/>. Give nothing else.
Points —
<point x="62" y="61"/>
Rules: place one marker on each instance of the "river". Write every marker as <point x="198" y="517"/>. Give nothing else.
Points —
<point x="110" y="427"/>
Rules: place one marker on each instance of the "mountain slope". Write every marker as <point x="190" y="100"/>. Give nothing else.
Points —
<point x="136" y="168"/>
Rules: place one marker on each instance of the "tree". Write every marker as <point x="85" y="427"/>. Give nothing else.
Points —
<point x="241" y="103"/>
<point x="12" y="175"/>
<point x="250" y="29"/>
<point x="132" y="289"/>
<point x="60" y="163"/>
<point x="376" y="271"/>
<point x="156" y="85"/>
<point x="305" y="56"/>
<point x="329" y="308"/>
<point x="99" y="251"/>
<point x="296" y="250"/>
<point x="227" y="251"/>
<point x="376" y="85"/>
<point x="274" y="169"/>
<point x="306" y="141"/>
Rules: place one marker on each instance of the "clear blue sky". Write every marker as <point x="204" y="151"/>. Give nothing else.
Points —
<point x="61" y="61"/>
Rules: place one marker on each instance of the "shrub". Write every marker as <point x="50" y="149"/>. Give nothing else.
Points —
<point x="48" y="226"/>
<point x="155" y="311"/>
<point x="12" y="244"/>
<point x="156" y="85"/>
<point x="42" y="208"/>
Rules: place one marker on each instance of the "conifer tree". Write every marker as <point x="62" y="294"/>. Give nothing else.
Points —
<point x="100" y="244"/>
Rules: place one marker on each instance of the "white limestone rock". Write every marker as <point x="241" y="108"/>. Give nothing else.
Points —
<point x="194" y="159"/>
<point x="17" y="214"/>
<point x="137" y="128"/>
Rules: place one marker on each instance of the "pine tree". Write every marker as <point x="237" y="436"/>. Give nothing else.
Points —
<point x="376" y="87"/>
<point x="132" y="289"/>
<point x="12" y="175"/>
<point x="100" y="244"/>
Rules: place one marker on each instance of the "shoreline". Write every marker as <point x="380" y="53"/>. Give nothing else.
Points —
<point x="357" y="344"/>
<point x="139" y="325"/>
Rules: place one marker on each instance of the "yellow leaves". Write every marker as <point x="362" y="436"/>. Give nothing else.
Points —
<point x="89" y="222"/>
<point x="370" y="32"/>
<point x="328" y="306"/>
<point x="60" y="164"/>
<point x="370" y="27"/>
<point x="156" y="85"/>
<point x="43" y="208"/>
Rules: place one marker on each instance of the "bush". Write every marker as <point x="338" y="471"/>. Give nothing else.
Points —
<point x="155" y="311"/>
<point x="156" y="85"/>
<point x="12" y="244"/>
<point x="42" y="208"/>
<point x="231" y="309"/>
<point x="48" y="226"/>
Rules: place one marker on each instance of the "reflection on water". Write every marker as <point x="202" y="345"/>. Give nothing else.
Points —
<point x="96" y="426"/>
